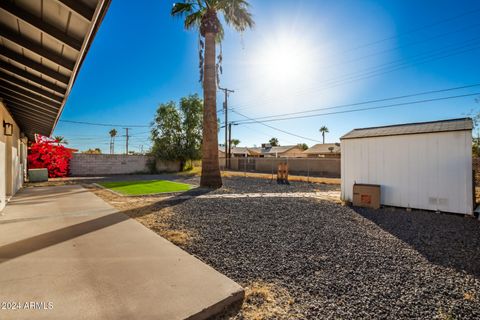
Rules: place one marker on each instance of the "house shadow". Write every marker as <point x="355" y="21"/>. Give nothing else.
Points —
<point x="32" y="244"/>
<point x="447" y="240"/>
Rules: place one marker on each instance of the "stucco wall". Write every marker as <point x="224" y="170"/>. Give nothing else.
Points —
<point x="107" y="164"/>
<point x="12" y="158"/>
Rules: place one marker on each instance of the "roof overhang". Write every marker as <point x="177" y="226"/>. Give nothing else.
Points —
<point x="42" y="46"/>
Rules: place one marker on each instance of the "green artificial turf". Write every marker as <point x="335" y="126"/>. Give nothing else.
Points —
<point x="145" y="187"/>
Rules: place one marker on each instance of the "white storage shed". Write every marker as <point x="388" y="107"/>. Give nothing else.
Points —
<point x="424" y="165"/>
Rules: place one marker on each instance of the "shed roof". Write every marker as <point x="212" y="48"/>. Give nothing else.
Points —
<point x="42" y="46"/>
<point x="460" y="124"/>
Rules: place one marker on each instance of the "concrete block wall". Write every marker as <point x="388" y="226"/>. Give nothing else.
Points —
<point x="110" y="164"/>
<point x="106" y="164"/>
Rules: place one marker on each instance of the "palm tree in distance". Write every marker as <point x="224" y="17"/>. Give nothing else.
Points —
<point x="113" y="134"/>
<point x="324" y="130"/>
<point x="235" y="142"/>
<point x="60" y="140"/>
<point x="203" y="16"/>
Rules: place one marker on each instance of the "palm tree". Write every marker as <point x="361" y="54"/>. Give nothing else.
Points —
<point x="203" y="15"/>
<point x="113" y="134"/>
<point x="235" y="142"/>
<point x="60" y="140"/>
<point x="324" y="130"/>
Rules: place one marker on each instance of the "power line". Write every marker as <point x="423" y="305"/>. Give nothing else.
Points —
<point x="105" y="124"/>
<point x="414" y="30"/>
<point x="356" y="59"/>
<point x="386" y="68"/>
<point x="409" y="32"/>
<point x="274" y="128"/>
<point x="264" y="133"/>
<point x="361" y="109"/>
<point x="372" y="101"/>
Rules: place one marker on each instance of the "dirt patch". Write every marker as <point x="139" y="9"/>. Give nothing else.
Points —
<point x="268" y="176"/>
<point x="266" y="301"/>
<point x="196" y="171"/>
<point x="50" y="183"/>
<point x="263" y="301"/>
<point x="469" y="296"/>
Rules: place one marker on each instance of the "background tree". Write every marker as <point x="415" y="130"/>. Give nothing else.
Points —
<point x="167" y="133"/>
<point x="113" y="133"/>
<point x="303" y="146"/>
<point x="192" y="115"/>
<point x="235" y="142"/>
<point x="60" y="140"/>
<point x="274" y="142"/>
<point x="203" y="15"/>
<point x="324" y="130"/>
<point x="177" y="132"/>
<point x="93" y="151"/>
<point x="475" y="115"/>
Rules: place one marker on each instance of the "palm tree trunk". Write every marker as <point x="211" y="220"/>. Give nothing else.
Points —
<point x="323" y="135"/>
<point x="210" y="167"/>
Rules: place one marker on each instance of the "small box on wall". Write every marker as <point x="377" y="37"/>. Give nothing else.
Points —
<point x="366" y="195"/>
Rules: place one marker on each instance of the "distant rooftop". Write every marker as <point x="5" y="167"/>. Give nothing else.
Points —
<point x="235" y="150"/>
<point x="322" y="148"/>
<point x="460" y="124"/>
<point x="277" y="149"/>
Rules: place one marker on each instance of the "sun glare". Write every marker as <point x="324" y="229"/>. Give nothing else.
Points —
<point x="285" y="61"/>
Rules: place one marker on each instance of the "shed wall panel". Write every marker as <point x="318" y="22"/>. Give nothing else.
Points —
<point x="431" y="171"/>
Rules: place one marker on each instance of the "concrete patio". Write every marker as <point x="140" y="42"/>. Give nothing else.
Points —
<point x="68" y="249"/>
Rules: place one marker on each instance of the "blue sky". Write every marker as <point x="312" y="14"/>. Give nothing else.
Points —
<point x="301" y="55"/>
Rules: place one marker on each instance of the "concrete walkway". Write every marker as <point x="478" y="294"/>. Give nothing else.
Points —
<point x="75" y="257"/>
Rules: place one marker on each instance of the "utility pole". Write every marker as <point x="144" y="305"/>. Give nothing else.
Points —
<point x="230" y="141"/>
<point x="126" y="140"/>
<point x="225" y="110"/>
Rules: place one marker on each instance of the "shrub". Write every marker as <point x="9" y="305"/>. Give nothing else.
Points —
<point x="49" y="154"/>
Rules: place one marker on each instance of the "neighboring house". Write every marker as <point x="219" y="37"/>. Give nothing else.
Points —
<point x="323" y="150"/>
<point x="265" y="151"/>
<point x="42" y="48"/>
<point x="237" y="152"/>
<point x="281" y="151"/>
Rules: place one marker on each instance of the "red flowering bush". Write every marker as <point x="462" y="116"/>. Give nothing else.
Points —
<point x="47" y="153"/>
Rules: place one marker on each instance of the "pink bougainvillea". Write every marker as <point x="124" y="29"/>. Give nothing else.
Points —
<point x="48" y="153"/>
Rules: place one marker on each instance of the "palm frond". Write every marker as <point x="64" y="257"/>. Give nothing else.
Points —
<point x="182" y="8"/>
<point x="236" y="13"/>
<point x="220" y="34"/>
<point x="194" y="19"/>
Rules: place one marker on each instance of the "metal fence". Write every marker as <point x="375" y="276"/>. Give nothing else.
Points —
<point x="314" y="167"/>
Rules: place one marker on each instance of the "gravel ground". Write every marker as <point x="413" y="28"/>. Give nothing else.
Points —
<point x="336" y="262"/>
